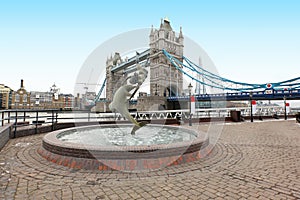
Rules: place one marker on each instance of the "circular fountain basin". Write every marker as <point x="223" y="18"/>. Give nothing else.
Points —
<point x="113" y="147"/>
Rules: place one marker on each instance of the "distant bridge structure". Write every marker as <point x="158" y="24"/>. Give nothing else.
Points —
<point x="167" y="66"/>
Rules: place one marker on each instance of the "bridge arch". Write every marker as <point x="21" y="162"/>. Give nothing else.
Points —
<point x="171" y="91"/>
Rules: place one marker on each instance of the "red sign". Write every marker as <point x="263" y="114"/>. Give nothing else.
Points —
<point x="269" y="85"/>
<point x="192" y="98"/>
<point x="253" y="102"/>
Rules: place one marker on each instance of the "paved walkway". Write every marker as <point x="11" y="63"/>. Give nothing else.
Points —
<point x="250" y="161"/>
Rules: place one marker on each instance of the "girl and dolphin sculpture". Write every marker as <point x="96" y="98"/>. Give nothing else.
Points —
<point x="120" y="100"/>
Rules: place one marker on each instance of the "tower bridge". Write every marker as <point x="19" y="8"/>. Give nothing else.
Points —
<point x="167" y="65"/>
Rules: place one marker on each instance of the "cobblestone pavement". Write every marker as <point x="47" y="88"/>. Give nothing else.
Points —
<point x="250" y="161"/>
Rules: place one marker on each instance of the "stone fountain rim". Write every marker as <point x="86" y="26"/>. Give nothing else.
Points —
<point x="51" y="139"/>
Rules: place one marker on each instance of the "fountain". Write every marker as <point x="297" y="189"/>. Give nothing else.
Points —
<point x="121" y="146"/>
<point x="113" y="147"/>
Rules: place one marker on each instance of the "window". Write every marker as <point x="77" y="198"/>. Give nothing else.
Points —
<point x="17" y="98"/>
<point x="24" y="98"/>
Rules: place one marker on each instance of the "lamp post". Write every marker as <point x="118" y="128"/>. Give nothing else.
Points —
<point x="284" y="98"/>
<point x="251" y="114"/>
<point x="190" y="103"/>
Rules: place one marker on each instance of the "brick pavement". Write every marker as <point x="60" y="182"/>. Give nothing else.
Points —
<point x="250" y="161"/>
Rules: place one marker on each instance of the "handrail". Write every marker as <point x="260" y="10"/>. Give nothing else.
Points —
<point x="29" y="110"/>
<point x="23" y="118"/>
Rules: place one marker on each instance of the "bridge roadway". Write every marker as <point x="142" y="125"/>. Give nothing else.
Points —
<point x="243" y="96"/>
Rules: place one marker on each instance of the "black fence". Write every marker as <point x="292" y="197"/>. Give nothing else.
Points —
<point x="25" y="119"/>
<point x="22" y="118"/>
<point x="35" y="120"/>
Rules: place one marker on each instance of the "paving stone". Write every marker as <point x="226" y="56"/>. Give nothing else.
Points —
<point x="249" y="161"/>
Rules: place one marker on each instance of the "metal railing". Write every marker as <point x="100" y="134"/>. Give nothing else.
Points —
<point x="25" y="117"/>
<point x="37" y="118"/>
<point x="33" y="119"/>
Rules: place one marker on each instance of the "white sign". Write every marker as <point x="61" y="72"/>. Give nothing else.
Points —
<point x="193" y="106"/>
<point x="287" y="107"/>
<point x="253" y="102"/>
<point x="268" y="91"/>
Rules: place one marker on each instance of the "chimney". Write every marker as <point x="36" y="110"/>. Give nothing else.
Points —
<point x="22" y="85"/>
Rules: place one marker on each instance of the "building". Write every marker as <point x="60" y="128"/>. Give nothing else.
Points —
<point x="21" y="98"/>
<point x="77" y="102"/>
<point x="5" y="96"/>
<point x="68" y="101"/>
<point x="53" y="99"/>
<point x="41" y="100"/>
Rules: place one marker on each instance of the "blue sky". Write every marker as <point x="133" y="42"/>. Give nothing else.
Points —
<point x="44" y="42"/>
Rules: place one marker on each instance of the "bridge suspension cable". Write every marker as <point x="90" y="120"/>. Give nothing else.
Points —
<point x="100" y="91"/>
<point x="191" y="70"/>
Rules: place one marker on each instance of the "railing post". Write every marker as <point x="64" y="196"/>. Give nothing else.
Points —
<point x="251" y="109"/>
<point x="89" y="113"/>
<point x="24" y="116"/>
<point x="52" y="120"/>
<point x="8" y="116"/>
<point x="16" y="122"/>
<point x="2" y="119"/>
<point x="285" y="116"/>
<point x="56" y="116"/>
<point x="37" y="121"/>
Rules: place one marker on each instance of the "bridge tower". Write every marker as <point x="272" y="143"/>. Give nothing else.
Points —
<point x="112" y="78"/>
<point x="165" y="80"/>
